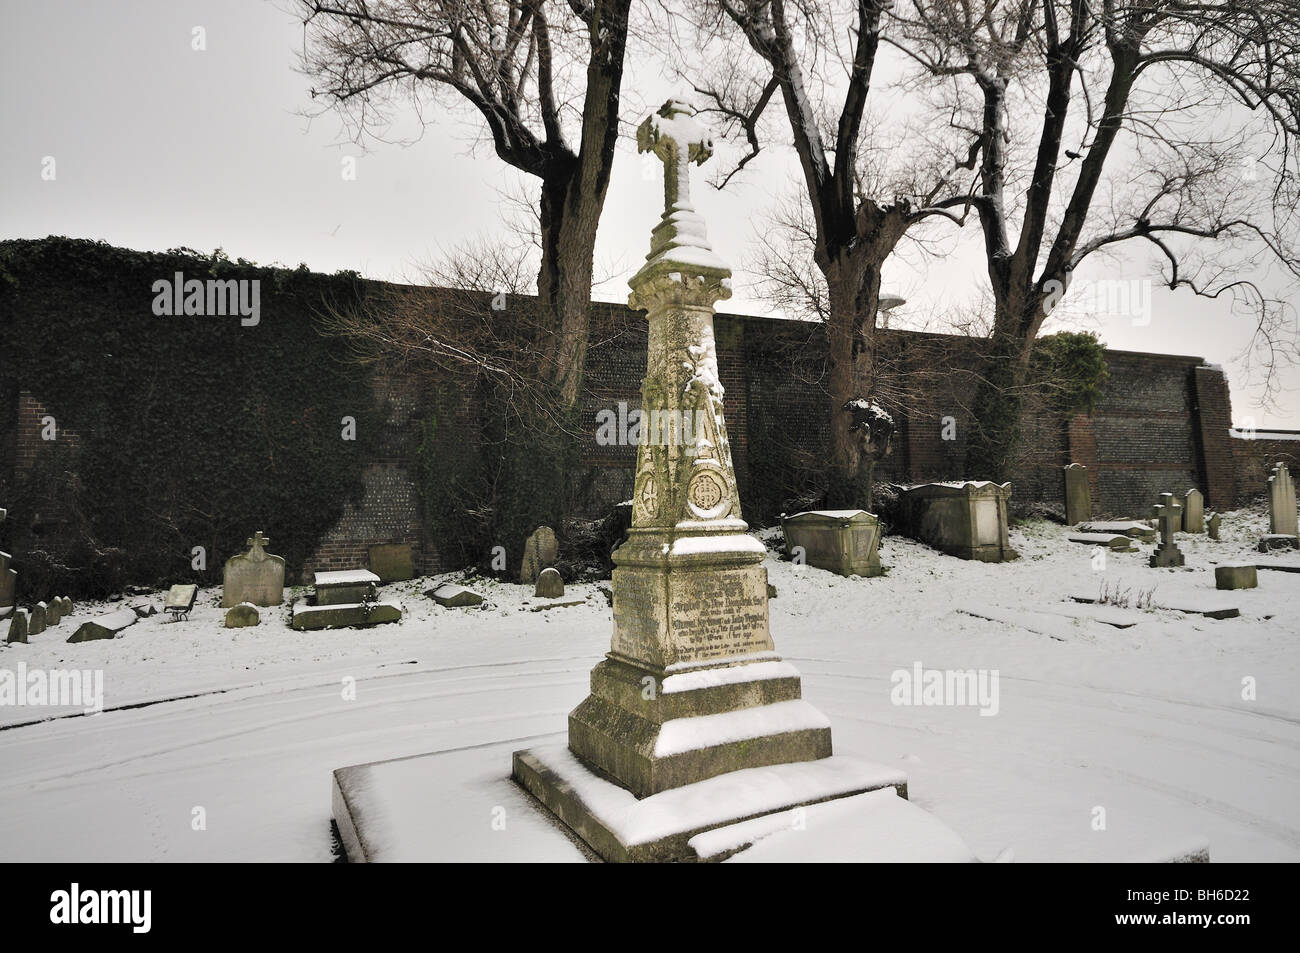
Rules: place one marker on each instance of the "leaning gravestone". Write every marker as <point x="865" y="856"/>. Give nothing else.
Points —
<point x="1212" y="525"/>
<point x="1167" y="554"/>
<point x="540" y="551"/>
<point x="105" y="626"/>
<point x="255" y="576"/>
<point x="1078" y="496"/>
<point x="1281" y="502"/>
<point x="453" y="596"/>
<point x="1193" y="512"/>
<point x="550" y="585"/>
<point x="39" y="620"/>
<point x="18" y="626"/>
<point x="180" y="600"/>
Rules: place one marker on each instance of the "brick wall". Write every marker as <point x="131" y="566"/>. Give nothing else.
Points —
<point x="1254" y="456"/>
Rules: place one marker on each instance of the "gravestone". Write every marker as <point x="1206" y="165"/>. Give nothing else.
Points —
<point x="540" y="551"/>
<point x="453" y="597"/>
<point x="1116" y="542"/>
<point x="1134" y="528"/>
<point x="38" y="621"/>
<point x="345" y="587"/>
<point x="104" y="626"/>
<point x="1078" y="495"/>
<point x="846" y="542"/>
<point x="1212" y="525"/>
<point x="967" y="519"/>
<point x="392" y="562"/>
<point x="1178" y="519"/>
<point x="550" y="585"/>
<point x="345" y="616"/>
<point x="1168" y="515"/>
<point x="1236" y="576"/>
<point x="1281" y="502"/>
<point x="8" y="578"/>
<point x="1193" y="512"/>
<point x="242" y="616"/>
<point x="180" y="600"/>
<point x="53" y="613"/>
<point x="18" y="626"/>
<point x="691" y="647"/>
<point x="255" y="576"/>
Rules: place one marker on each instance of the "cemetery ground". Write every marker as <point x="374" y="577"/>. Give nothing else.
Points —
<point x="241" y="728"/>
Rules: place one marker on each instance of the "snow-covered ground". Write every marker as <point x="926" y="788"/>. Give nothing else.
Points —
<point x="1147" y="723"/>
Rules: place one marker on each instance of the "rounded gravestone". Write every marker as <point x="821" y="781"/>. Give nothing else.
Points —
<point x="539" y="552"/>
<point x="242" y="615"/>
<point x="550" y="584"/>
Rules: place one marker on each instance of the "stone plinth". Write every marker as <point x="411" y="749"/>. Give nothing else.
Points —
<point x="344" y="616"/>
<point x="255" y="576"/>
<point x="846" y="542"/>
<point x="345" y="587"/>
<point x="967" y="520"/>
<point x="1239" y="576"/>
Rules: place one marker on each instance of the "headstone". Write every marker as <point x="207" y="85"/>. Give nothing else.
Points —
<point x="967" y="519"/>
<point x="691" y="642"/>
<point x="550" y="585"/>
<point x="345" y="587"/>
<point x="105" y="626"/>
<point x="1212" y="525"/>
<point x="1168" y="514"/>
<point x="540" y="551"/>
<point x="1193" y="512"/>
<point x="1236" y="576"/>
<point x="1155" y="515"/>
<point x="1116" y="542"/>
<point x="8" y="578"/>
<point x="38" y="621"/>
<point x="392" y="562"/>
<point x="1078" y="495"/>
<point x="453" y="596"/>
<point x="242" y="615"/>
<point x="18" y="626"/>
<point x="846" y="542"/>
<point x="53" y="613"/>
<point x="255" y="576"/>
<point x="1281" y="502"/>
<point x="180" y="600"/>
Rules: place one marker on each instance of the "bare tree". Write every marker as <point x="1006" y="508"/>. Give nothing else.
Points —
<point x="1104" y="122"/>
<point x="863" y="193"/>
<point x="545" y="79"/>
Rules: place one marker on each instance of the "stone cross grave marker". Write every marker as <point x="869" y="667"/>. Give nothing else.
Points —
<point x="1168" y="514"/>
<point x="255" y="576"/>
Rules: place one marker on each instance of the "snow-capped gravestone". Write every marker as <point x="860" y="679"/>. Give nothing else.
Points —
<point x="846" y="542"/>
<point x="345" y="599"/>
<point x="965" y="519"/>
<point x="1281" y="511"/>
<point x="104" y="626"/>
<point x="1078" y="495"/>
<point x="550" y="584"/>
<point x="255" y="576"/>
<point x="691" y="688"/>
<point x="38" y="620"/>
<point x="1193" y="511"/>
<point x="345" y="587"/>
<point x="540" y="551"/>
<point x="453" y="596"/>
<point x="1168" y="515"/>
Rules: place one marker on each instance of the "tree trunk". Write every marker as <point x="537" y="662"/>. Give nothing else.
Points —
<point x="854" y="294"/>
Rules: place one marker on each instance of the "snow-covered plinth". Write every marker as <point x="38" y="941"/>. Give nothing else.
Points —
<point x="621" y="828"/>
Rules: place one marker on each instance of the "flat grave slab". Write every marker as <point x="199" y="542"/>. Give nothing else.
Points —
<point x="1209" y="606"/>
<point x="1118" y="542"/>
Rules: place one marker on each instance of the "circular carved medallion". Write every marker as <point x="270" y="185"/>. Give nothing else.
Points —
<point x="707" y="495"/>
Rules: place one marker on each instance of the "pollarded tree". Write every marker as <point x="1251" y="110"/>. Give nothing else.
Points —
<point x="1104" y="122"/>
<point x="865" y="190"/>
<point x="545" y="78"/>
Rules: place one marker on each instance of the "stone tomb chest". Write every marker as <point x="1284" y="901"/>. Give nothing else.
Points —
<point x="841" y="541"/>
<point x="967" y="519"/>
<point x="348" y="587"/>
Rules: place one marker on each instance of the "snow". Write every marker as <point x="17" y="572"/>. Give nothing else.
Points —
<point x="345" y="577"/>
<point x="1153" y="722"/>
<point x="715" y="543"/>
<point x="731" y="675"/>
<point x="706" y="731"/>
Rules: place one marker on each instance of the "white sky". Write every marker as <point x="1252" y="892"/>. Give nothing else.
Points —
<point x="158" y="145"/>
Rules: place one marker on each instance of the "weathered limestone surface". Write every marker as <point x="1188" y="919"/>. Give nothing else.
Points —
<point x="104" y="626"/>
<point x="18" y="626"/>
<point x="1282" y="515"/>
<point x="345" y="616"/>
<point x="345" y="587"/>
<point x="1169" y="515"/>
<point x="550" y="585"/>
<point x="38" y="622"/>
<point x="242" y="615"/>
<point x="1193" y="511"/>
<point x="255" y="576"/>
<point x="846" y="542"/>
<point x="1239" y="576"/>
<point x="540" y="551"/>
<point x="1078" y="495"/>
<point x="392" y="562"/>
<point x="966" y="519"/>
<point x="453" y="596"/>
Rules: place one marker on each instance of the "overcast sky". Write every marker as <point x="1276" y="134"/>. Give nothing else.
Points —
<point x="158" y="145"/>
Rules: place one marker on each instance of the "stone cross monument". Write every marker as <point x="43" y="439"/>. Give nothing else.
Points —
<point x="691" y="688"/>
<point x="1169" y="516"/>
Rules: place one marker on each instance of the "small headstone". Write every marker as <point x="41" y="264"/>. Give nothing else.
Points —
<point x="392" y="562"/>
<point x="550" y="584"/>
<point x="1078" y="497"/>
<point x="1239" y="576"/>
<point x="1168" y="514"/>
<point x="67" y="605"/>
<point x="242" y="615"/>
<point x="180" y="600"/>
<point x="18" y="626"/>
<point x="53" y="613"/>
<point x="1193" y="512"/>
<point x="1212" y="525"/>
<point x="453" y="596"/>
<point x="255" y="576"/>
<point x="105" y="626"/>
<point x="36" y="625"/>
<point x="540" y="551"/>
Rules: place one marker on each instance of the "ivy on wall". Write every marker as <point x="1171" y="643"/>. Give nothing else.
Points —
<point x="177" y="431"/>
